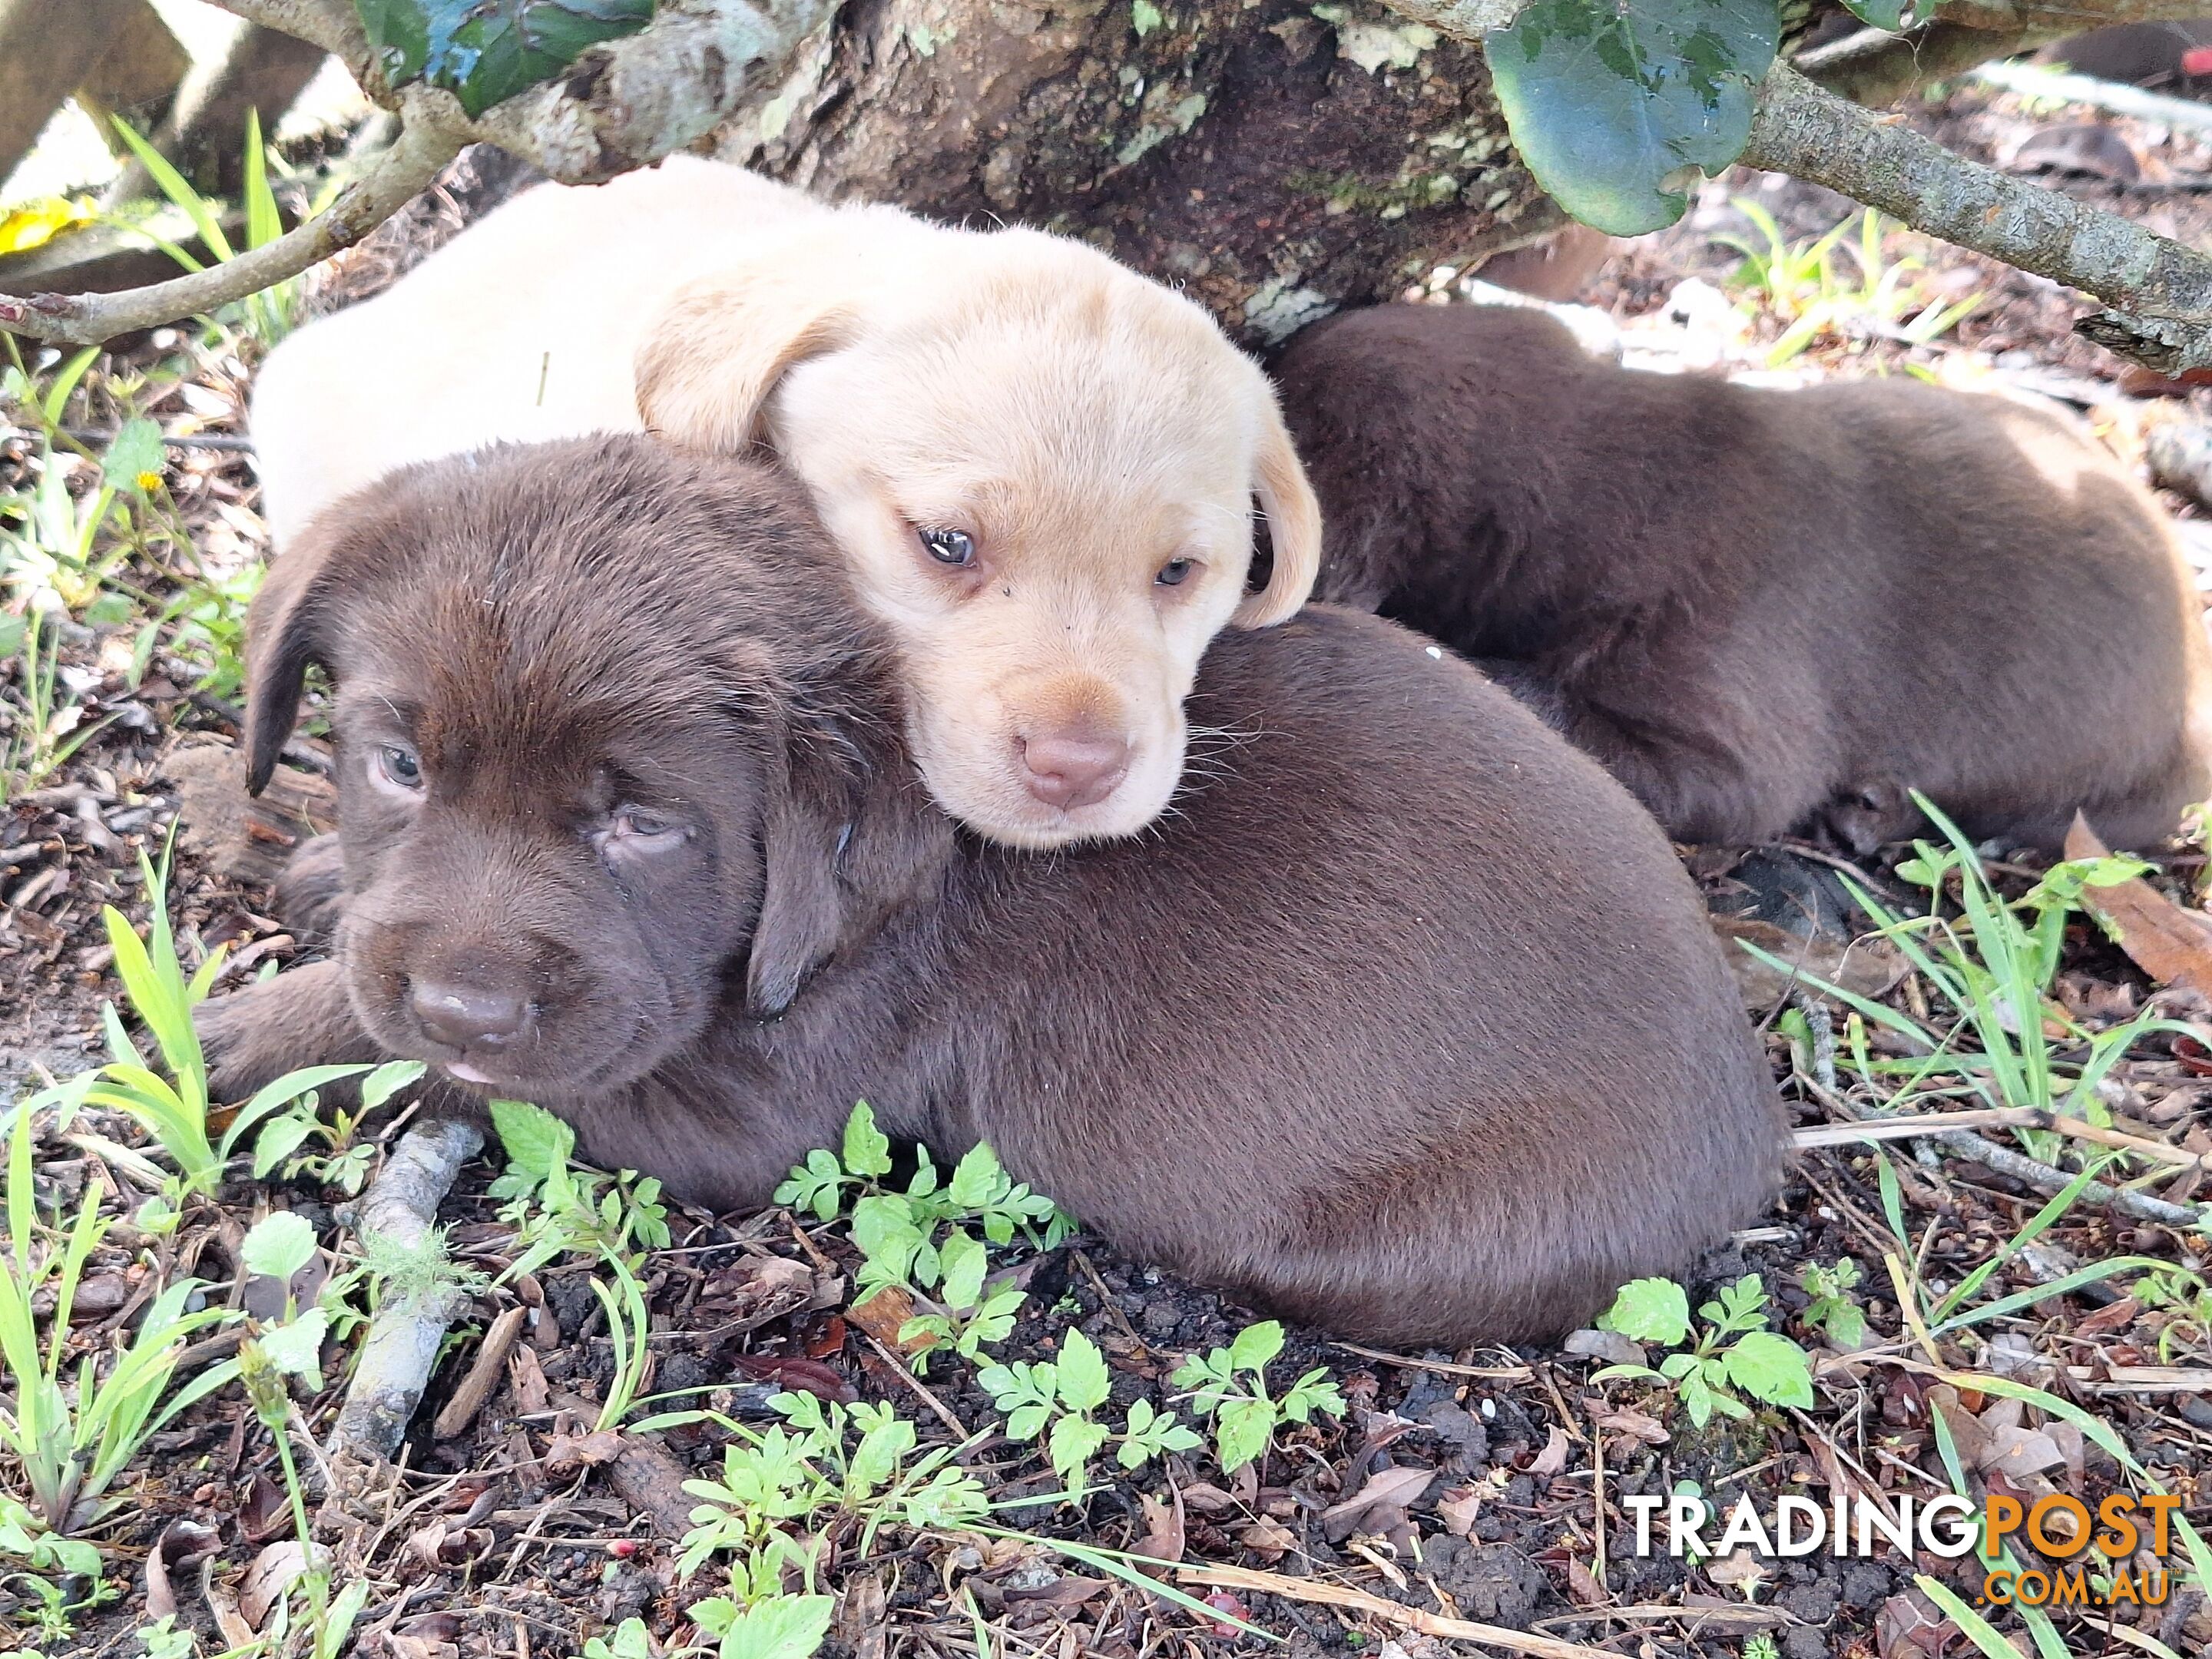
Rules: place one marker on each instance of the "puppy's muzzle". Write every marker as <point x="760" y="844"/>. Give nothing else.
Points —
<point x="1072" y="765"/>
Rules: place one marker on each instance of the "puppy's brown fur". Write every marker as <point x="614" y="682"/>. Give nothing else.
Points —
<point x="1764" y="610"/>
<point x="1406" y="1022"/>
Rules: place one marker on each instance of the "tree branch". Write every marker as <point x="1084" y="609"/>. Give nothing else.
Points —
<point x="627" y="103"/>
<point x="2159" y="291"/>
<point x="1875" y="68"/>
<point x="622" y="104"/>
<point x="334" y="27"/>
<point x="422" y="149"/>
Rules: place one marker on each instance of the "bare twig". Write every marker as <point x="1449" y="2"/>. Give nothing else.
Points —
<point x="423" y="147"/>
<point x="2035" y="81"/>
<point x="1876" y="68"/>
<point x="401" y="1205"/>
<point x="2159" y="291"/>
<point x="1429" y="1624"/>
<point x="2022" y="1117"/>
<point x="333" y="26"/>
<point x="622" y="104"/>
<point x="483" y="1376"/>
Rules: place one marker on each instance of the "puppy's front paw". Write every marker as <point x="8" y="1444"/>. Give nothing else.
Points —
<point x="253" y="1037"/>
<point x="311" y="891"/>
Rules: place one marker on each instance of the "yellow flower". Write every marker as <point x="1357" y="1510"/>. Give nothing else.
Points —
<point x="149" y="483"/>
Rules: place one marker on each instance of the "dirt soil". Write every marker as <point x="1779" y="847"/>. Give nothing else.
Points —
<point x="510" y="1533"/>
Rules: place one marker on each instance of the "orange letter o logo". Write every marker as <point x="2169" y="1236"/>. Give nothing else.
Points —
<point x="2041" y="1511"/>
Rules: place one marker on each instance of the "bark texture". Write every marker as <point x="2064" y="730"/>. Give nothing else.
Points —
<point x="1275" y="160"/>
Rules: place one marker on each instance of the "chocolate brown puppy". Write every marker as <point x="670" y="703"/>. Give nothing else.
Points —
<point x="1406" y="1023"/>
<point x="1765" y="611"/>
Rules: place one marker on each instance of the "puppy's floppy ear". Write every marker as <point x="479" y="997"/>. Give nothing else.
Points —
<point x="841" y="848"/>
<point x="716" y="351"/>
<point x="1293" y="523"/>
<point x="280" y="626"/>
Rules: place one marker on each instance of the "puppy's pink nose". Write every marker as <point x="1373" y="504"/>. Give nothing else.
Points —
<point x="468" y="1016"/>
<point x="1073" y="766"/>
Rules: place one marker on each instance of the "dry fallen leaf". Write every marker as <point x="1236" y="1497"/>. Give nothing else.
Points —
<point x="1583" y="1585"/>
<point x="183" y="1544"/>
<point x="2172" y="945"/>
<point x="1553" y="1458"/>
<point x="568" y="1452"/>
<point x="1164" y="1536"/>
<point x="1270" y="1541"/>
<point x="273" y="1572"/>
<point x="1459" y="1507"/>
<point x="1640" y="1425"/>
<point x="1739" y="1571"/>
<point x="1390" y="1487"/>
<point x="884" y="1314"/>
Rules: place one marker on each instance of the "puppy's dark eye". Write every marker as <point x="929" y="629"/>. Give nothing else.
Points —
<point x="1173" y="573"/>
<point x="953" y="547"/>
<point x="400" y="765"/>
<point x="635" y="823"/>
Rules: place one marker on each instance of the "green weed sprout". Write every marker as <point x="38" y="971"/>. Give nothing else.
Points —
<point x="72" y="1436"/>
<point x="898" y="1233"/>
<point x="1736" y="1355"/>
<point x="1229" y="1385"/>
<point x="172" y="1103"/>
<point x="1064" y="1393"/>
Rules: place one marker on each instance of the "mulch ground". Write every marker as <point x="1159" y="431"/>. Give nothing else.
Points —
<point x="507" y="1534"/>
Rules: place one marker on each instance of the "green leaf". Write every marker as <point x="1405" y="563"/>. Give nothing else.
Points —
<point x="977" y="1180"/>
<point x="486" y="50"/>
<point x="1075" y="1440"/>
<point x="279" y="1245"/>
<point x="1256" y="1345"/>
<point x="1083" y="1378"/>
<point x="1771" y="1367"/>
<point x="1241" y="1432"/>
<point x="1649" y="1310"/>
<point x="1881" y="14"/>
<point x="884" y="1231"/>
<point x="1697" y="1399"/>
<point x="296" y="1348"/>
<point x="134" y="458"/>
<point x="963" y="1262"/>
<point x="538" y="1143"/>
<point x="387" y="1080"/>
<point x="1612" y="105"/>
<point x="280" y="1138"/>
<point x="867" y="1149"/>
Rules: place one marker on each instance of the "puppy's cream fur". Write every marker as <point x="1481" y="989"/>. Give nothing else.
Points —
<point x="1088" y="432"/>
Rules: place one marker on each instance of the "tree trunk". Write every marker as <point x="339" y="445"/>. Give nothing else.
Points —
<point x="1275" y="160"/>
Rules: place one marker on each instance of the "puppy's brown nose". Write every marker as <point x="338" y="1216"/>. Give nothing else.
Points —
<point x="1073" y="766"/>
<point x="467" y="1016"/>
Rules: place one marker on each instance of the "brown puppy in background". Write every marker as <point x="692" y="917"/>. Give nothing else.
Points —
<point x="1406" y="1023"/>
<point x="1765" y="611"/>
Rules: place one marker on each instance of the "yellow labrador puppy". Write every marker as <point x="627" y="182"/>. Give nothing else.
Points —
<point x="1040" y="465"/>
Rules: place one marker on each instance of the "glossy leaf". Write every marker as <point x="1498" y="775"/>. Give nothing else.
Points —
<point x="1615" y="106"/>
<point x="1889" y="15"/>
<point x="486" y="50"/>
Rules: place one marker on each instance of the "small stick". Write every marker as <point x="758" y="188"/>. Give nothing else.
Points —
<point x="401" y="1204"/>
<point x="2028" y="1117"/>
<point x="483" y="1376"/>
<point x="1509" y="1373"/>
<point x="1429" y="1624"/>
<point x="899" y="1369"/>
